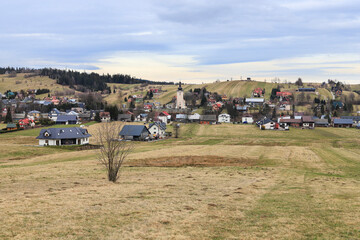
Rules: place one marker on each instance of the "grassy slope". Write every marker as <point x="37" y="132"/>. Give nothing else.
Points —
<point x="37" y="82"/>
<point x="282" y="185"/>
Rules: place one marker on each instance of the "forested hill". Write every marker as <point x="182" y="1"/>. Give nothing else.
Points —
<point x="81" y="81"/>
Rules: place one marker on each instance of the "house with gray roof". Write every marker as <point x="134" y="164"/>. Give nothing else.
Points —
<point x="67" y="119"/>
<point x="124" y="117"/>
<point x="208" y="119"/>
<point x="135" y="132"/>
<point x="157" y="129"/>
<point x="321" y="123"/>
<point x="343" y="123"/>
<point x="356" y="119"/>
<point x="63" y="136"/>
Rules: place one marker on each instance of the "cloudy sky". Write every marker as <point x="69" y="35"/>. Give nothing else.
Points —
<point x="191" y="41"/>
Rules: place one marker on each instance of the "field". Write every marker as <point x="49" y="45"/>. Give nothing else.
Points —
<point x="214" y="182"/>
<point x="21" y="83"/>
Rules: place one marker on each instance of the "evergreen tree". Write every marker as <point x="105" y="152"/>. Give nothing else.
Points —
<point x="97" y="117"/>
<point x="8" y="118"/>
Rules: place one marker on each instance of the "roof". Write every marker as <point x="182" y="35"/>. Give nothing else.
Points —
<point x="307" y="89"/>
<point x="321" y="121"/>
<point x="208" y="117"/>
<point x="183" y="116"/>
<point x="194" y="116"/>
<point x="343" y="121"/>
<point x="256" y="100"/>
<point x="354" y="118"/>
<point x="104" y="114"/>
<point x="161" y="125"/>
<point x="126" y="116"/>
<point x="224" y="115"/>
<point x="66" y="118"/>
<point x="63" y="133"/>
<point x="165" y="113"/>
<point x="287" y="120"/>
<point x="133" y="130"/>
<point x="11" y="125"/>
<point x="33" y="112"/>
<point x="264" y="121"/>
<point x="307" y="119"/>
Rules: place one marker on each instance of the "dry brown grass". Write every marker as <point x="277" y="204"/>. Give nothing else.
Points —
<point x="215" y="182"/>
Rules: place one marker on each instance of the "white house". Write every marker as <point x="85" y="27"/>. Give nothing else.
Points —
<point x="157" y="129"/>
<point x="266" y="124"/>
<point x="194" y="117"/>
<point x="164" y="117"/>
<point x="247" y="119"/>
<point x="224" y="118"/>
<point x="63" y="136"/>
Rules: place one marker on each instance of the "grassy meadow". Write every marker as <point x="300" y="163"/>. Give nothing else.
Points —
<point x="214" y="182"/>
<point x="38" y="82"/>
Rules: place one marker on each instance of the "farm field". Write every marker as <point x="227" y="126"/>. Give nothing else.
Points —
<point x="214" y="182"/>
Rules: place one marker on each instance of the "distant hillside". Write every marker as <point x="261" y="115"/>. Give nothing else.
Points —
<point x="79" y="81"/>
<point x="24" y="82"/>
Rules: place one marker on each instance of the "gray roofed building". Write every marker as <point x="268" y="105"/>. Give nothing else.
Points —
<point x="124" y="117"/>
<point x="66" y="119"/>
<point x="338" y="122"/>
<point x="134" y="132"/>
<point x="63" y="136"/>
<point x="159" y="124"/>
<point x="208" y="119"/>
<point x="321" y="123"/>
<point x="356" y="119"/>
<point x="18" y="116"/>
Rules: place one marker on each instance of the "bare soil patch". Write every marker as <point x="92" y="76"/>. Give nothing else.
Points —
<point x="194" y="161"/>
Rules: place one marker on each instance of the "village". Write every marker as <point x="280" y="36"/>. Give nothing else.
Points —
<point x="276" y="113"/>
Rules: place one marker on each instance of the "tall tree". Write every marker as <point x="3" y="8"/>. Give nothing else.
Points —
<point x="8" y="117"/>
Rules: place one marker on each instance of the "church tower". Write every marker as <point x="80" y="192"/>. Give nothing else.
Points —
<point x="180" y="102"/>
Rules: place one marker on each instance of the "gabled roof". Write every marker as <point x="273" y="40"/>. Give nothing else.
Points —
<point x="254" y="100"/>
<point x="287" y="120"/>
<point x="66" y="118"/>
<point x="133" y="130"/>
<point x="343" y="121"/>
<point x="182" y="116"/>
<point x="165" y="113"/>
<point x="124" y="116"/>
<point x="321" y="122"/>
<point x="208" y="117"/>
<point x="63" y="133"/>
<point x="354" y="118"/>
<point x="11" y="125"/>
<point x="161" y="125"/>
<point x="307" y="119"/>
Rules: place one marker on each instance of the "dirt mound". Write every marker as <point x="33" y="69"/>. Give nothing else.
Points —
<point x="199" y="161"/>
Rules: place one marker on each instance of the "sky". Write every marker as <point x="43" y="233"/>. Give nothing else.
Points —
<point x="189" y="41"/>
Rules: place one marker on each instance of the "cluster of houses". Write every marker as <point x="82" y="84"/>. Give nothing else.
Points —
<point x="308" y="122"/>
<point x="80" y="136"/>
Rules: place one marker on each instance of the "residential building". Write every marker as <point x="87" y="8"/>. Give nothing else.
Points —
<point x="135" y="132"/>
<point x="343" y="123"/>
<point x="66" y="119"/>
<point x="63" y="136"/>
<point x="224" y="118"/>
<point x="157" y="129"/>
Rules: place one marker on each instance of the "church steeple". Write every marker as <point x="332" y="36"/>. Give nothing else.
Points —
<point x="180" y="88"/>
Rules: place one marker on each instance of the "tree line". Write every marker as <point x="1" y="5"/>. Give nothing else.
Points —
<point x="83" y="82"/>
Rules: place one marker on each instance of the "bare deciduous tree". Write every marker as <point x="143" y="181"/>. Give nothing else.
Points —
<point x="113" y="151"/>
